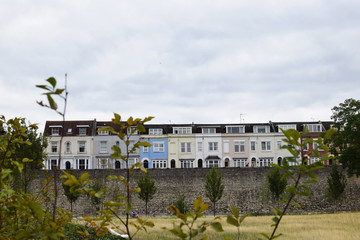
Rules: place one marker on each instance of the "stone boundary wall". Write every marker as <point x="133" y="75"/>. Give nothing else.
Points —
<point x="242" y="189"/>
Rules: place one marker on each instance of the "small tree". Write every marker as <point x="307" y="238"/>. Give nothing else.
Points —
<point x="214" y="187"/>
<point x="276" y="183"/>
<point x="336" y="183"/>
<point x="148" y="189"/>
<point x="72" y="196"/>
<point x="182" y="205"/>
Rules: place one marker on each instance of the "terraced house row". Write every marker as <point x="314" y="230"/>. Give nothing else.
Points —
<point x="175" y="145"/>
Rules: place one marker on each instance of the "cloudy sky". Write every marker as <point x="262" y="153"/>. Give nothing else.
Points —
<point x="181" y="61"/>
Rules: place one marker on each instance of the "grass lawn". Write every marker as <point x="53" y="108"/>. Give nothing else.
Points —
<point x="300" y="227"/>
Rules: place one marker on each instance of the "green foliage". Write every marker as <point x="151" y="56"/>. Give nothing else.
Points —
<point x="72" y="233"/>
<point x="147" y="189"/>
<point x="97" y="185"/>
<point x="21" y="214"/>
<point x="214" y="187"/>
<point x="72" y="196"/>
<point x="182" y="205"/>
<point x="236" y="219"/>
<point x="346" y="140"/>
<point x="295" y="143"/>
<point x="336" y="183"/>
<point x="186" y="229"/>
<point x="123" y="204"/>
<point x="276" y="182"/>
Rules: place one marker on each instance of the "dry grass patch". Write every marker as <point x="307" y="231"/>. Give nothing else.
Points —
<point x="297" y="227"/>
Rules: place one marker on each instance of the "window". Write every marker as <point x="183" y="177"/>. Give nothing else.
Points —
<point x="155" y="131"/>
<point x="213" y="146"/>
<point x="185" y="147"/>
<point x="182" y="130"/>
<point x="261" y="129"/>
<point x="145" y="149"/>
<point x="306" y="147"/>
<point x="315" y="146"/>
<point x="239" y="146"/>
<point x="252" y="146"/>
<point x="55" y="131"/>
<point x="82" y="147"/>
<point x="208" y="130"/>
<point x="132" y="130"/>
<point x="200" y="146"/>
<point x="286" y="127"/>
<point x="103" y="163"/>
<point x="131" y="161"/>
<point x="69" y="131"/>
<point x="240" y="162"/>
<point x="213" y="163"/>
<point x="103" y="147"/>
<point x="186" y="163"/>
<point x="54" y="147"/>
<point x="314" y="127"/>
<point x="265" y="162"/>
<point x="159" y="163"/>
<point x="279" y="144"/>
<point x="53" y="163"/>
<point x="158" y="147"/>
<point x="131" y="144"/>
<point x="314" y="160"/>
<point x="103" y="132"/>
<point x="82" y="131"/>
<point x="83" y="163"/>
<point x="235" y="129"/>
<point x="67" y="147"/>
<point x="266" y="146"/>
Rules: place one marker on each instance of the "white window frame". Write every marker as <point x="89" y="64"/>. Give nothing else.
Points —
<point x="257" y="129"/>
<point x="230" y="129"/>
<point x="82" y="163"/>
<point x="155" y="131"/>
<point x="103" y="147"/>
<point x="159" y="164"/>
<point x="185" y="147"/>
<point x="103" y="133"/>
<point x="182" y="130"/>
<point x="213" y="163"/>
<point x="145" y="149"/>
<point x="240" y="162"/>
<point x="158" y="147"/>
<point x="103" y="163"/>
<point x="82" y="131"/>
<point x="265" y="161"/>
<point x="186" y="163"/>
<point x="279" y="144"/>
<point x="82" y="146"/>
<point x="314" y="127"/>
<point x="252" y="146"/>
<point x="239" y="146"/>
<point x="286" y="127"/>
<point x="54" y="147"/>
<point x="208" y="130"/>
<point x="213" y="146"/>
<point x="129" y="130"/>
<point x="265" y="145"/>
<point x="55" y="131"/>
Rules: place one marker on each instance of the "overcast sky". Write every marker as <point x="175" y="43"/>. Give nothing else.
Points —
<point x="181" y="61"/>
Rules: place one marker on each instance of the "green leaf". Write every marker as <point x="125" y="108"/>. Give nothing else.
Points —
<point x="234" y="211"/>
<point x="265" y="235"/>
<point x="52" y="81"/>
<point x="128" y="207"/>
<point x="232" y="221"/>
<point x="275" y="219"/>
<point x="296" y="204"/>
<point x="36" y="209"/>
<point x="84" y="177"/>
<point x="43" y="87"/>
<point x="217" y="226"/>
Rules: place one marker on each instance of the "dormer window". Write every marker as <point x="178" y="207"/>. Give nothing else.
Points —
<point x="155" y="131"/>
<point x="235" y="129"/>
<point x="286" y="127"/>
<point x="103" y="133"/>
<point x="55" y="131"/>
<point x="132" y="130"/>
<point x="261" y="129"/>
<point x="208" y="130"/>
<point x="182" y="130"/>
<point x="82" y="131"/>
<point x="69" y="131"/>
<point x="314" y="127"/>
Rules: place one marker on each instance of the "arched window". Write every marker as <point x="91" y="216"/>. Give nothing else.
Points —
<point x="67" y="147"/>
<point x="279" y="161"/>
<point x="226" y="162"/>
